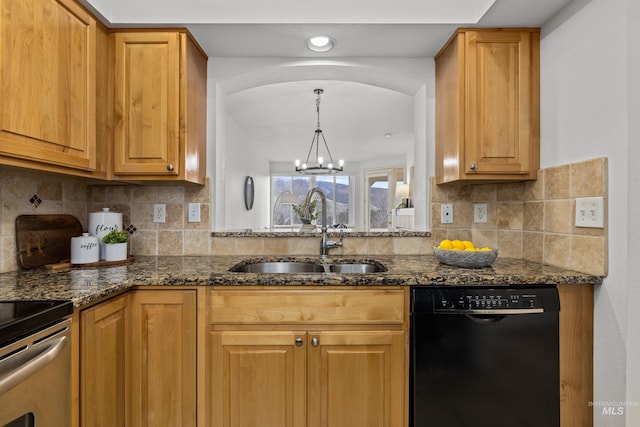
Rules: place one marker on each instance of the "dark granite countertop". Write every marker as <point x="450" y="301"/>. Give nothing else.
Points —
<point x="86" y="285"/>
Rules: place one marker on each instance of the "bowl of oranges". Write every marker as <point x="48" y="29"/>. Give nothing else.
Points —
<point x="463" y="253"/>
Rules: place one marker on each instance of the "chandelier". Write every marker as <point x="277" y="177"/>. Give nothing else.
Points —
<point x="319" y="167"/>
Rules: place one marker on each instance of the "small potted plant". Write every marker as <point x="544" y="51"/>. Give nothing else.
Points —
<point x="115" y="245"/>
<point x="307" y="216"/>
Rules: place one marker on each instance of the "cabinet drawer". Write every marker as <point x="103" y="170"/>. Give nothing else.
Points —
<point x="307" y="306"/>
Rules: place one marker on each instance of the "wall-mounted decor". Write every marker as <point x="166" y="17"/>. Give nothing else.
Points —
<point x="248" y="192"/>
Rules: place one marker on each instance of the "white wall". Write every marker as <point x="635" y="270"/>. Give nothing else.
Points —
<point x="240" y="163"/>
<point x="585" y="107"/>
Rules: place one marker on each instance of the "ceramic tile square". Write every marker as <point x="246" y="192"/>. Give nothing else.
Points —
<point x="483" y="192"/>
<point x="589" y="178"/>
<point x="533" y="216"/>
<point x="533" y="246"/>
<point x="75" y="191"/>
<point x="509" y="216"/>
<point x="461" y="234"/>
<point x="50" y="190"/>
<point x="355" y="245"/>
<point x="588" y="254"/>
<point x="438" y="192"/>
<point x="171" y="194"/>
<point x="482" y="238"/>
<point x="118" y="194"/>
<point x="437" y="236"/>
<point x="142" y="216"/>
<point x="174" y="217"/>
<point x="556" y="182"/>
<point x="196" y="242"/>
<point x="49" y="207"/>
<point x="144" y="194"/>
<point x="557" y="216"/>
<point x="275" y="245"/>
<point x="249" y="246"/>
<point x="144" y="243"/>
<point x="534" y="190"/>
<point x="427" y="244"/>
<point x="557" y="250"/>
<point x="170" y="242"/>
<point x="198" y="193"/>
<point x="406" y="245"/>
<point x="462" y="215"/>
<point x="223" y="246"/>
<point x="9" y="261"/>
<point x="510" y="244"/>
<point x="78" y="210"/>
<point x="98" y="194"/>
<point x="459" y="193"/>
<point x="492" y="217"/>
<point x="380" y="245"/>
<point x="19" y="187"/>
<point x="510" y="192"/>
<point x="304" y="246"/>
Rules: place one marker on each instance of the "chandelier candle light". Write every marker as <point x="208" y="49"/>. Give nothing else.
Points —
<point x="320" y="168"/>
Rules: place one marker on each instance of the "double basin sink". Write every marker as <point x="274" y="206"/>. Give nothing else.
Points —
<point x="339" y="267"/>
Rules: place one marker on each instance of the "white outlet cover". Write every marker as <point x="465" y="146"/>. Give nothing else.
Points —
<point x="194" y="212"/>
<point x="480" y="212"/>
<point x="590" y="212"/>
<point x="159" y="212"/>
<point x="446" y="213"/>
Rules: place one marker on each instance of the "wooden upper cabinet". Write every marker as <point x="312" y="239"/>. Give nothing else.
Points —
<point x="47" y="84"/>
<point x="160" y="107"/>
<point x="488" y="106"/>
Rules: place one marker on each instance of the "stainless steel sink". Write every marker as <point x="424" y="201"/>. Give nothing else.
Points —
<point x="356" y="268"/>
<point x="279" y="267"/>
<point x="338" y="267"/>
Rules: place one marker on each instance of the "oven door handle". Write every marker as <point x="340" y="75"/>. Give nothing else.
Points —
<point x="38" y="359"/>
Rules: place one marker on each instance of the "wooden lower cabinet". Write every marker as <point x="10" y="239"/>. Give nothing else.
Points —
<point x="334" y="358"/>
<point x="163" y="358"/>
<point x="104" y="347"/>
<point x="138" y="360"/>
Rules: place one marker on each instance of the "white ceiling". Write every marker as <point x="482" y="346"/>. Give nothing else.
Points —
<point x="283" y="115"/>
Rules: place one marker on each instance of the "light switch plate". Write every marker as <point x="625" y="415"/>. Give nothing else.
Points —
<point x="590" y="212"/>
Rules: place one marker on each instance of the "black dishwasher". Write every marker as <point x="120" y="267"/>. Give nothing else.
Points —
<point x="484" y="356"/>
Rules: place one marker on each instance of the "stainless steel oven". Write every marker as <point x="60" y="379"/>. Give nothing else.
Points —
<point x="35" y="365"/>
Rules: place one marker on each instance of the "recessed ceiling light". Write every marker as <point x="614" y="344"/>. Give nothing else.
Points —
<point x="387" y="135"/>
<point x="320" y="43"/>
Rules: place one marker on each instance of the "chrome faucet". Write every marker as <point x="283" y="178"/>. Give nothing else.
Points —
<point x="325" y="244"/>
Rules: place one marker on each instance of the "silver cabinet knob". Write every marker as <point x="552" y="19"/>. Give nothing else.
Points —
<point x="474" y="167"/>
<point x="299" y="342"/>
<point x="315" y="342"/>
<point x="170" y="167"/>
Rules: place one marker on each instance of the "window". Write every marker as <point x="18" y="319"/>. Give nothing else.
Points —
<point x="337" y="189"/>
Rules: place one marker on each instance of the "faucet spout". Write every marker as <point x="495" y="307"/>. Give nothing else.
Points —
<point x="324" y="244"/>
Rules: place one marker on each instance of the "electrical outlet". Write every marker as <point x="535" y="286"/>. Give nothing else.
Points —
<point x="159" y="212"/>
<point x="446" y="213"/>
<point x="590" y="212"/>
<point x="480" y="212"/>
<point x="194" y="212"/>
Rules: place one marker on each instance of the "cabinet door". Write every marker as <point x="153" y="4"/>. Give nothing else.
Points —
<point x="104" y="348"/>
<point x="356" y="379"/>
<point x="147" y="101"/>
<point x="163" y="358"/>
<point x="48" y="83"/>
<point x="257" y="379"/>
<point x="501" y="105"/>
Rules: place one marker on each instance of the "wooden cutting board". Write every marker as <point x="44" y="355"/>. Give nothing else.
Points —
<point x="45" y="239"/>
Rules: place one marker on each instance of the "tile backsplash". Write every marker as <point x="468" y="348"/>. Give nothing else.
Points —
<point x="531" y="220"/>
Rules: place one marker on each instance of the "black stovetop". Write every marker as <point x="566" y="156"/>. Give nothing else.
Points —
<point x="21" y="318"/>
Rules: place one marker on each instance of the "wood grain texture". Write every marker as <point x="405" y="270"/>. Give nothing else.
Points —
<point x="163" y="352"/>
<point x="487" y="106"/>
<point x="105" y="388"/>
<point x="576" y="355"/>
<point x="308" y="306"/>
<point x="45" y="239"/>
<point x="48" y="83"/>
